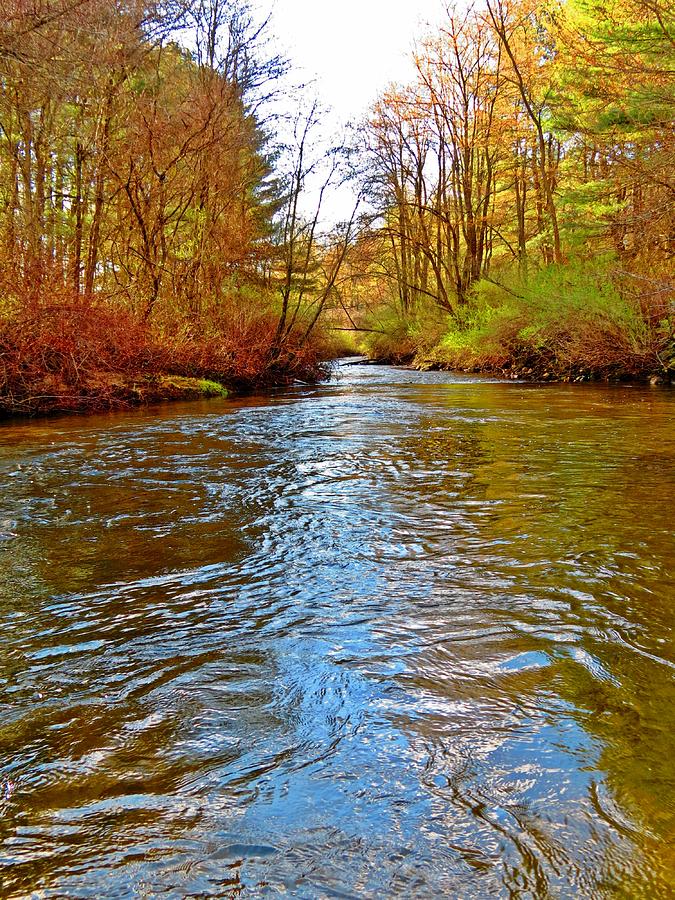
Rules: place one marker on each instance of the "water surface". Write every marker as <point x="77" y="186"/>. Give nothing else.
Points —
<point x="401" y="635"/>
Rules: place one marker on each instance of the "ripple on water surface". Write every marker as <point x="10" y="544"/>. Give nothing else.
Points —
<point x="404" y="634"/>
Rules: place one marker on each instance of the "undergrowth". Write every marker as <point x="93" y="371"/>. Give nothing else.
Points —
<point x="78" y="356"/>
<point x="572" y="322"/>
<point x="394" y="337"/>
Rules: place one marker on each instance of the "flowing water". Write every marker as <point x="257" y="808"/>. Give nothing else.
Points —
<point x="402" y="635"/>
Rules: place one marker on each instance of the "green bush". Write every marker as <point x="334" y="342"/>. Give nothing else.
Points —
<point x="399" y="337"/>
<point x="571" y="320"/>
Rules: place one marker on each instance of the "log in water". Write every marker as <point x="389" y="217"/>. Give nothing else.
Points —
<point x="401" y="635"/>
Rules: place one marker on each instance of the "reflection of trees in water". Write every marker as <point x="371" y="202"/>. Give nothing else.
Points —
<point x="441" y="461"/>
<point x="548" y="773"/>
<point x="497" y="581"/>
<point x="627" y="705"/>
<point x="21" y="561"/>
<point x="119" y="513"/>
<point x="573" y="561"/>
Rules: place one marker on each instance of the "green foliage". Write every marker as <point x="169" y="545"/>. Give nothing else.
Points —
<point x="211" y="388"/>
<point x="343" y="343"/>
<point x="567" y="320"/>
<point x="624" y="84"/>
<point x="399" y="337"/>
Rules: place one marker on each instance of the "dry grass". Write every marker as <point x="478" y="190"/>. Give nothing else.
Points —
<point x="79" y="356"/>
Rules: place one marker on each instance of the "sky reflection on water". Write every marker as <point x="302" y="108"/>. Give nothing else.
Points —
<point x="405" y="634"/>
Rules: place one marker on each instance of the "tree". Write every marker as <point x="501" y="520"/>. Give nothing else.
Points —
<point x="311" y="261"/>
<point x="517" y="28"/>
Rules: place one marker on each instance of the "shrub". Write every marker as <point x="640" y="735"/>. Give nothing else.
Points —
<point x="573" y="321"/>
<point x="63" y="357"/>
<point x="397" y="337"/>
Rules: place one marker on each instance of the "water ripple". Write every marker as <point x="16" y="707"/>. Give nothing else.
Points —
<point x="400" y="635"/>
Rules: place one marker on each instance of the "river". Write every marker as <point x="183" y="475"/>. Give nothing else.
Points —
<point x="404" y="634"/>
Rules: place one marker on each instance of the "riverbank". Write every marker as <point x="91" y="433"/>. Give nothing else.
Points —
<point x="535" y="370"/>
<point x="578" y="322"/>
<point x="542" y="368"/>
<point x="564" y="326"/>
<point x="103" y="391"/>
<point x="90" y="359"/>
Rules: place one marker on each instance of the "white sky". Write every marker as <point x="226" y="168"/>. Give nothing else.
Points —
<point x="351" y="50"/>
<point x="354" y="48"/>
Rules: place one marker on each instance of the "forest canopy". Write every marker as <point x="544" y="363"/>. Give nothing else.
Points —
<point x="523" y="188"/>
<point x="518" y="199"/>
